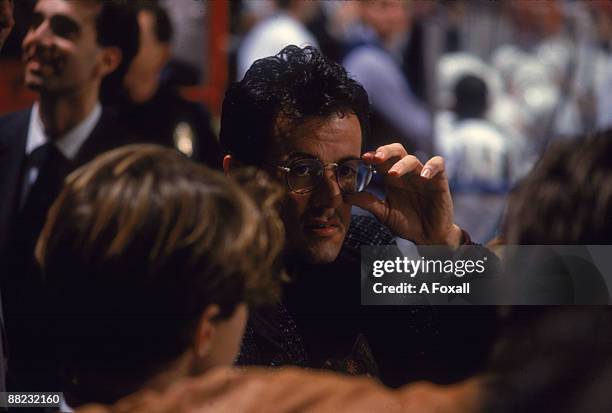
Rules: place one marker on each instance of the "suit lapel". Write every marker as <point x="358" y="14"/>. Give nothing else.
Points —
<point x="13" y="137"/>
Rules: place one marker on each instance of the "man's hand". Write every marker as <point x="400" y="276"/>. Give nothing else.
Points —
<point x="418" y="205"/>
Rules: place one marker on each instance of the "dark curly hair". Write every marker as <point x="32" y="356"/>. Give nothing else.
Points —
<point x="297" y="84"/>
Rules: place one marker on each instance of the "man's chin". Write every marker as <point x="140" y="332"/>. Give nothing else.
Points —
<point x="323" y="251"/>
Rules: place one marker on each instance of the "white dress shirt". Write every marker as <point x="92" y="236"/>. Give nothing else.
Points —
<point x="68" y="145"/>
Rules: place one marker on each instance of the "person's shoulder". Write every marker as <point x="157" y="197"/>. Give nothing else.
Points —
<point x="171" y="100"/>
<point x="106" y="135"/>
<point x="367" y="231"/>
<point x="227" y="389"/>
<point x="15" y="118"/>
<point x="14" y="126"/>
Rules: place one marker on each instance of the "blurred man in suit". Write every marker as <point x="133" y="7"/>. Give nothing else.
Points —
<point x="70" y="47"/>
<point x="152" y="110"/>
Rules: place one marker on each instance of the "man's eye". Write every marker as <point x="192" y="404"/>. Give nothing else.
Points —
<point x="302" y="170"/>
<point x="346" y="171"/>
<point x="64" y="27"/>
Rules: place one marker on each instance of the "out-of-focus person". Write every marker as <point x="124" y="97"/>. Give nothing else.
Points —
<point x="397" y="113"/>
<point x="7" y="20"/>
<point x="152" y="111"/>
<point x="480" y="159"/>
<point x="284" y="28"/>
<point x="478" y="155"/>
<point x="168" y="256"/>
<point x="295" y="390"/>
<point x="567" y="198"/>
<point x="70" y="47"/>
<point x="551" y="358"/>
<point x="6" y="25"/>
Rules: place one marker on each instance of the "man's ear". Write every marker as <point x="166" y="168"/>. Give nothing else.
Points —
<point x="205" y="331"/>
<point x="230" y="163"/>
<point x="110" y="60"/>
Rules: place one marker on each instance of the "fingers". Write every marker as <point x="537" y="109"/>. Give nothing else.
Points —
<point x="370" y="203"/>
<point x="407" y="164"/>
<point x="386" y="152"/>
<point x="433" y="167"/>
<point x="383" y="158"/>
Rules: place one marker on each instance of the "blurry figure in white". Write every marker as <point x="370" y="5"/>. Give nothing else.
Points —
<point x="285" y="27"/>
<point x="479" y="158"/>
<point x="478" y="155"/>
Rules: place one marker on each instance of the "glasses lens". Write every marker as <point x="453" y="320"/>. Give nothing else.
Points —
<point x="304" y="174"/>
<point x="354" y="176"/>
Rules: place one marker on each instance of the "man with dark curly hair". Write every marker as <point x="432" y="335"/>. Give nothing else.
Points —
<point x="300" y="117"/>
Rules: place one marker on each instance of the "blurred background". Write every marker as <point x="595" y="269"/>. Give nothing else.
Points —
<point x="486" y="84"/>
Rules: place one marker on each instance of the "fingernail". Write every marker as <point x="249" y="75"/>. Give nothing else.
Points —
<point x="379" y="154"/>
<point x="393" y="172"/>
<point x="426" y="173"/>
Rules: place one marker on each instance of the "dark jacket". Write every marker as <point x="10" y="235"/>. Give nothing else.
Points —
<point x="21" y="280"/>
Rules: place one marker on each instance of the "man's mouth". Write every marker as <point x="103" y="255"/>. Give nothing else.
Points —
<point x="322" y="228"/>
<point x="39" y="61"/>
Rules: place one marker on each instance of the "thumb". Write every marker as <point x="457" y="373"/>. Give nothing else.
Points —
<point x="369" y="202"/>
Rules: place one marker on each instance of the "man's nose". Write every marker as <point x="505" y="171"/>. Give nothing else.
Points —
<point x="327" y="193"/>
<point x="41" y="34"/>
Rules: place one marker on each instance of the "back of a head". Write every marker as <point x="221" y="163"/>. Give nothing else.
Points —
<point x="567" y="198"/>
<point x="552" y="359"/>
<point x="471" y="96"/>
<point x="296" y="84"/>
<point x="140" y="241"/>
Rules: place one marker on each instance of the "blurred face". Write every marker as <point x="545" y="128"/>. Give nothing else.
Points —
<point x="316" y="222"/>
<point x="60" y="49"/>
<point x="152" y="54"/>
<point x="6" y="20"/>
<point x="386" y="17"/>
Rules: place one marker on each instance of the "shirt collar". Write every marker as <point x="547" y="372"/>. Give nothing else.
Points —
<point x="71" y="142"/>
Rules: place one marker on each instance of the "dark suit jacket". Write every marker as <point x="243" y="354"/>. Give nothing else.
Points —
<point x="19" y="276"/>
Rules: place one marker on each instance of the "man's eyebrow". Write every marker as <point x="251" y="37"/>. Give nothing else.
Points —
<point x="297" y="154"/>
<point x="349" y="158"/>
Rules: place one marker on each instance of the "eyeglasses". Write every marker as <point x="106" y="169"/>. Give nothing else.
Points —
<point x="304" y="175"/>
